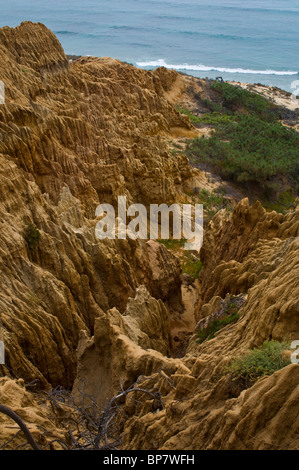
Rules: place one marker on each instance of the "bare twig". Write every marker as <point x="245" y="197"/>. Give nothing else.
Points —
<point x="7" y="411"/>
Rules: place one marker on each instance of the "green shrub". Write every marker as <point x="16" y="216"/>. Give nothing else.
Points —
<point x="216" y="325"/>
<point x="216" y="118"/>
<point x="190" y="263"/>
<point x="249" y="144"/>
<point x="235" y="97"/>
<point x="249" y="149"/>
<point x="259" y="362"/>
<point x="285" y="202"/>
<point x="188" y="113"/>
<point x="191" y="266"/>
<point x="212" y="201"/>
<point x="32" y="236"/>
<point x="213" y="107"/>
<point x="173" y="244"/>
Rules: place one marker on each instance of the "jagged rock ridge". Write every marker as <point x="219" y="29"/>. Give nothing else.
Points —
<point x="74" y="135"/>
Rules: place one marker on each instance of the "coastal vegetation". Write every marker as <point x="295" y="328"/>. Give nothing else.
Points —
<point x="228" y="315"/>
<point x="259" y="362"/>
<point x="32" y="236"/>
<point x="216" y="325"/>
<point x="249" y="145"/>
<point x="189" y="260"/>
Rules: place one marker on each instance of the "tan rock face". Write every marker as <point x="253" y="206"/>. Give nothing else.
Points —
<point x="76" y="135"/>
<point x="73" y="136"/>
<point x="204" y="409"/>
<point x="34" y="46"/>
<point x="35" y="415"/>
<point x="125" y="346"/>
<point x="235" y="246"/>
<point x="96" y="125"/>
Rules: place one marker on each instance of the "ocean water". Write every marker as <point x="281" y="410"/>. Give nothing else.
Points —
<point x="255" y="41"/>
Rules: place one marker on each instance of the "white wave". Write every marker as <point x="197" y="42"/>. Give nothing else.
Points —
<point x="205" y="68"/>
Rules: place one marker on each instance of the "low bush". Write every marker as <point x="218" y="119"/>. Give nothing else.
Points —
<point x="32" y="236"/>
<point x="259" y="362"/>
<point x="173" y="243"/>
<point x="188" y="113"/>
<point x="236" y="98"/>
<point x="250" y="150"/>
<point x="216" y="325"/>
<point x="249" y="145"/>
<point x="191" y="266"/>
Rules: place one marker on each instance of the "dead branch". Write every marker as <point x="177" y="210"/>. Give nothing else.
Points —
<point x="7" y="411"/>
<point x="86" y="425"/>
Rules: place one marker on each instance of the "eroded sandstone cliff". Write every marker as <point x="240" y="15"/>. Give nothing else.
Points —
<point x="74" y="136"/>
<point x="82" y="313"/>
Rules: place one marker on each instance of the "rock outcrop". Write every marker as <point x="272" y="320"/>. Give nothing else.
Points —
<point x="233" y="249"/>
<point x="125" y="346"/>
<point x="97" y="315"/>
<point x="205" y="409"/>
<point x="74" y="136"/>
<point x="31" y="411"/>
